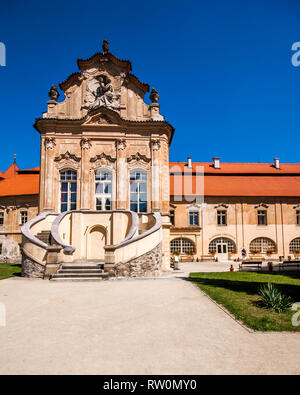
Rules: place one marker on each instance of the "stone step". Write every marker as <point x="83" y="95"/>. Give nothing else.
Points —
<point x="78" y="279"/>
<point x="83" y="270"/>
<point x="79" y="275"/>
<point x="80" y="267"/>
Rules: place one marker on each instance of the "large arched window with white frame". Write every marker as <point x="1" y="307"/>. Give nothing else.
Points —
<point x="138" y="191"/>
<point x="103" y="189"/>
<point x="68" y="190"/>
<point x="182" y="246"/>
<point x="262" y="245"/>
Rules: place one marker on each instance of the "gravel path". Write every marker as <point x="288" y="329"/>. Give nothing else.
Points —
<point x="131" y="327"/>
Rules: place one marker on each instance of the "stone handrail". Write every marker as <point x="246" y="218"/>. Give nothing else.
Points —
<point x="69" y="249"/>
<point x="135" y="247"/>
<point x="26" y="229"/>
<point x="154" y="228"/>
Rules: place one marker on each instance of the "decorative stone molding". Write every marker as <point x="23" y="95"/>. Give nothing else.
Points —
<point x="155" y="144"/>
<point x="67" y="156"/>
<point x="50" y="143"/>
<point x="222" y="205"/>
<point x="104" y="156"/>
<point x="263" y="205"/>
<point x="121" y="144"/>
<point x="138" y="158"/>
<point x="85" y="143"/>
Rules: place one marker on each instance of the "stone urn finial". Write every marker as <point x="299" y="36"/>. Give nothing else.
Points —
<point x="53" y="93"/>
<point x="105" y="47"/>
<point x="154" y="96"/>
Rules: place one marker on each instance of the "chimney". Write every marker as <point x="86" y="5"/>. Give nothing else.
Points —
<point x="276" y="163"/>
<point x="216" y="163"/>
<point x="189" y="165"/>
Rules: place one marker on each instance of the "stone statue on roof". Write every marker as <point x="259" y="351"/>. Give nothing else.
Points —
<point x="105" y="47"/>
<point x="154" y="96"/>
<point x="53" y="93"/>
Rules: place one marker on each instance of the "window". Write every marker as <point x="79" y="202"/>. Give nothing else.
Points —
<point x="262" y="217"/>
<point x="172" y="217"/>
<point x="298" y="217"/>
<point x="1" y="218"/>
<point x="103" y="188"/>
<point x="194" y="218"/>
<point x="222" y="217"/>
<point x="222" y="240"/>
<point x="23" y="217"/>
<point x="1" y="250"/>
<point x="262" y="245"/>
<point x="183" y="246"/>
<point x="68" y="190"/>
<point x="138" y="191"/>
<point x="295" y="245"/>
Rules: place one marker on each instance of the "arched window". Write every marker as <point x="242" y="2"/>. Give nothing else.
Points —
<point x="262" y="245"/>
<point x="68" y="190"/>
<point x="182" y="245"/>
<point x="220" y="241"/>
<point x="103" y="188"/>
<point x="295" y="245"/>
<point x="138" y="191"/>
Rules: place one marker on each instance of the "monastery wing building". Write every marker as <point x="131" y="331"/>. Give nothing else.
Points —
<point x="106" y="196"/>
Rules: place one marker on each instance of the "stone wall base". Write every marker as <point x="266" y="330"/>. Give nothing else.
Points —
<point x="146" y="265"/>
<point x="31" y="268"/>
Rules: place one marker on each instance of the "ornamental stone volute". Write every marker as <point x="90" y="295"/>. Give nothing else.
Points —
<point x="155" y="144"/>
<point x="50" y="143"/>
<point x="85" y="143"/>
<point x="120" y="144"/>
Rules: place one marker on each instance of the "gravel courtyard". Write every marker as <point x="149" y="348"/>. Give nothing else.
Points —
<point x="164" y="326"/>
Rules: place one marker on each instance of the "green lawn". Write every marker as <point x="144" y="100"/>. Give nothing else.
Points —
<point x="237" y="291"/>
<point x="9" y="270"/>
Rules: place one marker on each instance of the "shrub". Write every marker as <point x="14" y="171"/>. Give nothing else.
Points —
<point x="274" y="299"/>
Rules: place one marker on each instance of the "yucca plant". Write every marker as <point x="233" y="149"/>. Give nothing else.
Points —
<point x="274" y="299"/>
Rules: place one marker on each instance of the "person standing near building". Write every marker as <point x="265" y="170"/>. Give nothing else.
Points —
<point x="244" y="253"/>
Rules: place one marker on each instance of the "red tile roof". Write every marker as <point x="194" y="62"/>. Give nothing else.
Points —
<point x="21" y="184"/>
<point x="11" y="171"/>
<point x="236" y="179"/>
<point x="237" y="168"/>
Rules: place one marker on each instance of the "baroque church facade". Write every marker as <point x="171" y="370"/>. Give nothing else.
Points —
<point x="106" y="192"/>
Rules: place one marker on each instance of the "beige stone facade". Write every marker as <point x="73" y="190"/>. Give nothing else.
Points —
<point x="241" y="227"/>
<point x="107" y="192"/>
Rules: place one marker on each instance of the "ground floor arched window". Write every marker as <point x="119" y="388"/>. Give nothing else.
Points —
<point x="295" y="245"/>
<point x="262" y="245"/>
<point x="219" y="242"/>
<point x="182" y="246"/>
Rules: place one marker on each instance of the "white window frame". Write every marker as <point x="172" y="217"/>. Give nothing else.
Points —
<point x="145" y="182"/>
<point x="25" y="212"/>
<point x="221" y="214"/>
<point x="103" y="196"/>
<point x="69" y="191"/>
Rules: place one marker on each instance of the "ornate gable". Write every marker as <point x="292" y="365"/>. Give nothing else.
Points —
<point x="103" y="81"/>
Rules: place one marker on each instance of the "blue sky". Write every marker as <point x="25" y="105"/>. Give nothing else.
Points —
<point x="222" y="68"/>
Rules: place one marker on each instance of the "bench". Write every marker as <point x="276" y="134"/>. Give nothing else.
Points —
<point x="287" y="264"/>
<point x="244" y="264"/>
